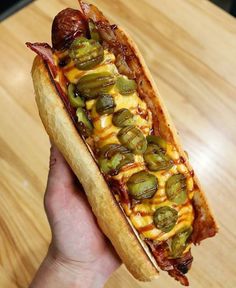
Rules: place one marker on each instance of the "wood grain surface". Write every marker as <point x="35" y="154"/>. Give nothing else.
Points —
<point x="190" y="47"/>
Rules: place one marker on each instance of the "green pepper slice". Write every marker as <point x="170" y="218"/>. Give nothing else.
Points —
<point x="152" y="139"/>
<point x="75" y="100"/>
<point x="92" y="85"/>
<point x="142" y="185"/>
<point x="86" y="53"/>
<point x="179" y="242"/>
<point x="85" y="126"/>
<point x="165" y="218"/>
<point x="132" y="138"/>
<point x="125" y="85"/>
<point x="122" y="117"/>
<point x="155" y="159"/>
<point x="112" y="157"/>
<point x="176" y="190"/>
<point x="105" y="104"/>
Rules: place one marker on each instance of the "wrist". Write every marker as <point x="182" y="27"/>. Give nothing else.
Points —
<point x="81" y="274"/>
<point x="57" y="271"/>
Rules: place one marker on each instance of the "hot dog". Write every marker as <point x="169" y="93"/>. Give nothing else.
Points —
<point x="100" y="106"/>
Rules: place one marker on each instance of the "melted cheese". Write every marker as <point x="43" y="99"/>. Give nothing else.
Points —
<point x="149" y="206"/>
<point x="126" y="174"/>
<point x="172" y="152"/>
<point x="185" y="219"/>
<point x="73" y="74"/>
<point x="104" y="132"/>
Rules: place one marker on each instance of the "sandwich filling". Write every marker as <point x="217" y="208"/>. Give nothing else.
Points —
<point x="143" y="168"/>
<point x="117" y="125"/>
<point x="145" y="172"/>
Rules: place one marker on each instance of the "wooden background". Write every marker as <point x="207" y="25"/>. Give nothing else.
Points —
<point x="190" y="47"/>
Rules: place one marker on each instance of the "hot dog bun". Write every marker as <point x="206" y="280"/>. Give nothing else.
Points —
<point x="111" y="220"/>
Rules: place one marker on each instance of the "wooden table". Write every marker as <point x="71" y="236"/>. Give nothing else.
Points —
<point x="190" y="47"/>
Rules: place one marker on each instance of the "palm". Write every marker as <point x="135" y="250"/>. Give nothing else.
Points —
<point x="75" y="233"/>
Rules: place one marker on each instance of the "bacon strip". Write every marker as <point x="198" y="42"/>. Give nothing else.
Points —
<point x="45" y="51"/>
<point x="175" y="267"/>
<point x="203" y="226"/>
<point x="118" y="187"/>
<point x="92" y="12"/>
<point x="109" y="36"/>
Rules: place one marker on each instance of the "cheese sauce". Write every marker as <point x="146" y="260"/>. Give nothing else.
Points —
<point x="104" y="132"/>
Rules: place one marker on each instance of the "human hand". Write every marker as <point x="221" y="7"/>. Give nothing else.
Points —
<point x="79" y="253"/>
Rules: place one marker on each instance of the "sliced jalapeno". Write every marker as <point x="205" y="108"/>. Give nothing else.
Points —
<point x="125" y="85"/>
<point x="157" y="140"/>
<point x="85" y="126"/>
<point x="92" y="85"/>
<point x="176" y="188"/>
<point x="86" y="53"/>
<point x="122" y="118"/>
<point x="74" y="98"/>
<point x="93" y="31"/>
<point x="179" y="242"/>
<point x="132" y="138"/>
<point x="165" y="218"/>
<point x="105" y="104"/>
<point x="155" y="159"/>
<point x="112" y="157"/>
<point x="142" y="185"/>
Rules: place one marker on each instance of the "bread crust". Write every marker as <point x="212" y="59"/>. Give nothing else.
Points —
<point x="132" y="250"/>
<point x="111" y="220"/>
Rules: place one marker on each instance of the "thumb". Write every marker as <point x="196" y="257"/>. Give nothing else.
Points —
<point x="61" y="181"/>
<point x="60" y="173"/>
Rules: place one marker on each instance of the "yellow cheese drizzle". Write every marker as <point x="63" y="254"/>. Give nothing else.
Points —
<point x="141" y="215"/>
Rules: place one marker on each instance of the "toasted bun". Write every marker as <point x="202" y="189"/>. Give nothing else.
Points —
<point x="61" y="130"/>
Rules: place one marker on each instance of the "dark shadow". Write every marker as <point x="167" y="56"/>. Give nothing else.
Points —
<point x="9" y="7"/>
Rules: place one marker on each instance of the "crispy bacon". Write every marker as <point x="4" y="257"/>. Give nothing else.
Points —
<point x="175" y="267"/>
<point x="203" y="226"/>
<point x="177" y="275"/>
<point x="118" y="188"/>
<point x="45" y="51"/>
<point x="109" y="36"/>
<point x="92" y="12"/>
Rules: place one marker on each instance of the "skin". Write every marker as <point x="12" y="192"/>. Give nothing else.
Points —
<point x="79" y="254"/>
